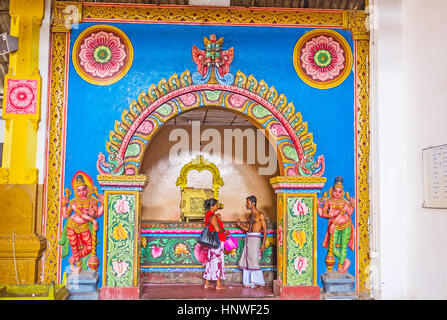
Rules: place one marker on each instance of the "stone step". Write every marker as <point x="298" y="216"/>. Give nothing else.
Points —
<point x="84" y="282"/>
<point x="79" y="288"/>
<point x="334" y="282"/>
<point x="197" y="277"/>
<point x="340" y="296"/>
<point x="85" y="276"/>
<point x="84" y="296"/>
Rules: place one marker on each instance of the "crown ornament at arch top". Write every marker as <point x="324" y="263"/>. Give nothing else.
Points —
<point x="214" y="84"/>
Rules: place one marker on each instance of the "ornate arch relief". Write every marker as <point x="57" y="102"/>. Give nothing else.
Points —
<point x="211" y="86"/>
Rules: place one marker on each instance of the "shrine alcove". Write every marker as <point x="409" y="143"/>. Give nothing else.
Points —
<point x="161" y="197"/>
<point x="167" y="244"/>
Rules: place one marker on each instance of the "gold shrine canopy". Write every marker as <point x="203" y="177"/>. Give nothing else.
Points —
<point x="191" y="203"/>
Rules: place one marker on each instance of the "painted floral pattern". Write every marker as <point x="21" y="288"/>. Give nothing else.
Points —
<point x="322" y="58"/>
<point x="298" y="260"/>
<point x="181" y="248"/>
<point x="119" y="232"/>
<point x="122" y="205"/>
<point x="299" y="237"/>
<point x="146" y="127"/>
<point x="121" y="237"/>
<point x="120" y="268"/>
<point x="300" y="264"/>
<point x="102" y="54"/>
<point x="188" y="99"/>
<point x="21" y="96"/>
<point x="300" y="208"/>
<point x="200" y="252"/>
<point x="156" y="252"/>
<point x="237" y="100"/>
<point x="279" y="235"/>
<point x="166" y="252"/>
<point x="278" y="130"/>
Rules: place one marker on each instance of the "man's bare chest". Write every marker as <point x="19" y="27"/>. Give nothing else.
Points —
<point x="255" y="221"/>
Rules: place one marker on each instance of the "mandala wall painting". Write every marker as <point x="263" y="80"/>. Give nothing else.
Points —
<point x="322" y="58"/>
<point x="102" y="54"/>
<point x="21" y="96"/>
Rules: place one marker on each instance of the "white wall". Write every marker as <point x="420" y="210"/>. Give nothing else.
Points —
<point x="425" y="98"/>
<point x="44" y="52"/>
<point x="409" y="113"/>
<point x="388" y="143"/>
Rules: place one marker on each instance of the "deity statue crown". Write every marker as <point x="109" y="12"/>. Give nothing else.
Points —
<point x="82" y="179"/>
<point x="338" y="182"/>
<point x="213" y="40"/>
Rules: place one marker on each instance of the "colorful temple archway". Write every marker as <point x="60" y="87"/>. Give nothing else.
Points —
<point x="256" y="101"/>
<point x="120" y="177"/>
<point x="212" y="86"/>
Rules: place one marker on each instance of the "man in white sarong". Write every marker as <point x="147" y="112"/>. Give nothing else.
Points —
<point x="252" y="275"/>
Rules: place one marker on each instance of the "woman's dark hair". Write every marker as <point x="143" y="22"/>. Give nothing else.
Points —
<point x="252" y="199"/>
<point x="209" y="203"/>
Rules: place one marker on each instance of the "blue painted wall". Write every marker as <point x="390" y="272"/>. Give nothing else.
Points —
<point x="162" y="50"/>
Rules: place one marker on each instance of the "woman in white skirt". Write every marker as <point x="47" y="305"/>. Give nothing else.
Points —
<point x="215" y="260"/>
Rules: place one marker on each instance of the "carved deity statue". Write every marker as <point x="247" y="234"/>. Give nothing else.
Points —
<point x="340" y="233"/>
<point x="81" y="226"/>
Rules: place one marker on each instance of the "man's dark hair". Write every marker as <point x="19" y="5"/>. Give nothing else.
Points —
<point x="252" y="199"/>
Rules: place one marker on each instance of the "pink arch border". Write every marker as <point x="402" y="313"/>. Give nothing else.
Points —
<point x="213" y="87"/>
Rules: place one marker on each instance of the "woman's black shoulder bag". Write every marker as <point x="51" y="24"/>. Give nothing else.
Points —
<point x="209" y="239"/>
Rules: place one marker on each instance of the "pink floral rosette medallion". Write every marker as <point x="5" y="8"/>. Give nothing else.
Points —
<point x="102" y="54"/>
<point x="21" y="96"/>
<point x="322" y="58"/>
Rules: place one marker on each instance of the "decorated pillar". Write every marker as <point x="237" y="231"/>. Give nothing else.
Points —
<point x="63" y="16"/>
<point x="296" y="234"/>
<point x="20" y="247"/>
<point x="357" y="22"/>
<point x="21" y="105"/>
<point x="122" y="215"/>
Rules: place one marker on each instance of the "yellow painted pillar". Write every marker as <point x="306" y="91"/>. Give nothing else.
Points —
<point x="21" y="104"/>
<point x="20" y="246"/>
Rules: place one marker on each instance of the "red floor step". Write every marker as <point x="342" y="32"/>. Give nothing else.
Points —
<point x="196" y="291"/>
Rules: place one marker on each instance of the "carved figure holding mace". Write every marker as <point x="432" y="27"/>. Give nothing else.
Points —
<point x="81" y="226"/>
<point x="340" y="232"/>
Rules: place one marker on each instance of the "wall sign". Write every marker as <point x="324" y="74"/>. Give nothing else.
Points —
<point x="434" y="161"/>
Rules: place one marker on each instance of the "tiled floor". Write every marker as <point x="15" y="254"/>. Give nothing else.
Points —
<point x="196" y="291"/>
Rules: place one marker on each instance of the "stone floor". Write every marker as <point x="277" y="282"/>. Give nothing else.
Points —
<point x="196" y="291"/>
